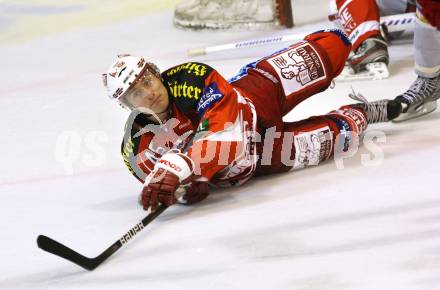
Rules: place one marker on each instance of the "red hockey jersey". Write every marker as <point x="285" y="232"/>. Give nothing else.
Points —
<point x="209" y="119"/>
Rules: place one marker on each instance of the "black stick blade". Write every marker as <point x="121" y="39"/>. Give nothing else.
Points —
<point x="49" y="245"/>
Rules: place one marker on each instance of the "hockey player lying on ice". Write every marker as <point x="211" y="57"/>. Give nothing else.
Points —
<point x="189" y="127"/>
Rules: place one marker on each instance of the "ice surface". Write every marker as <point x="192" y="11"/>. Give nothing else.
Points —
<point x="363" y="227"/>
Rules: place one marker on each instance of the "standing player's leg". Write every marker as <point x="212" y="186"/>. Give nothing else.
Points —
<point x="421" y="97"/>
<point x="360" y="19"/>
<point x="392" y="7"/>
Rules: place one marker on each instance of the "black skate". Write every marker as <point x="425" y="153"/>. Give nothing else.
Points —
<point x="368" y="62"/>
<point x="420" y="99"/>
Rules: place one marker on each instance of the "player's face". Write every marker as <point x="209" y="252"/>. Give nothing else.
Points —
<point x="148" y="92"/>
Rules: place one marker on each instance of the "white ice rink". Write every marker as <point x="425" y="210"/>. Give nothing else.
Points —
<point x="368" y="226"/>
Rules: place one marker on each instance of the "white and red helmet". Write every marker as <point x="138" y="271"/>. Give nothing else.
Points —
<point x="123" y="73"/>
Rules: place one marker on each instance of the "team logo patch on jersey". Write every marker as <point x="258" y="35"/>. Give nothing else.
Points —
<point x="298" y="67"/>
<point x="203" y="126"/>
<point x="210" y="96"/>
<point x="197" y="69"/>
<point x="186" y="83"/>
<point x="312" y="147"/>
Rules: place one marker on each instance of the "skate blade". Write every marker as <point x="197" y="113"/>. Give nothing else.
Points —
<point x="421" y="111"/>
<point x="374" y="71"/>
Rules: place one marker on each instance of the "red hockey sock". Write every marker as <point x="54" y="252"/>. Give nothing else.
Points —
<point x="360" y="19"/>
<point x="429" y="11"/>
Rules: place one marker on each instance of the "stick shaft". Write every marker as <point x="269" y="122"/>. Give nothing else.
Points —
<point x="399" y="22"/>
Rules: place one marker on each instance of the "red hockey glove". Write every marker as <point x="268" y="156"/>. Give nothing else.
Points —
<point x="169" y="173"/>
<point x="194" y="192"/>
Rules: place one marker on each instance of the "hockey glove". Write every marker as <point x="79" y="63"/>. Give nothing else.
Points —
<point x="193" y="192"/>
<point x="172" y="170"/>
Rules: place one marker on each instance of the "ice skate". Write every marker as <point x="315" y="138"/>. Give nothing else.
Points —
<point x="420" y="99"/>
<point x="368" y="62"/>
<point x="378" y="111"/>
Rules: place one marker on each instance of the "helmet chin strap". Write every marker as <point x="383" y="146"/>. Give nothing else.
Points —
<point x="166" y="110"/>
<point x="151" y="114"/>
<point x="158" y="115"/>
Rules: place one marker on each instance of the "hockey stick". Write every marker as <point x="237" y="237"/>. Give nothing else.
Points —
<point x="399" y="22"/>
<point x="49" y="245"/>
